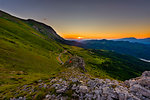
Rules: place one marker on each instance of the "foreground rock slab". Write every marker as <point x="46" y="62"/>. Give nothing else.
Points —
<point x="72" y="84"/>
<point x="87" y="88"/>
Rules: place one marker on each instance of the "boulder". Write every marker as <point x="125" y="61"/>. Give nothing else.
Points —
<point x="83" y="89"/>
<point x="146" y="74"/>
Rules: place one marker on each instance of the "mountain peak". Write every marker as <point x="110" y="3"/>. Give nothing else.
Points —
<point x="129" y="38"/>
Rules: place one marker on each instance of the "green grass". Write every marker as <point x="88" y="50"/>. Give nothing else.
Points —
<point x="21" y="50"/>
<point x="65" y="56"/>
<point x="88" y="58"/>
<point x="107" y="64"/>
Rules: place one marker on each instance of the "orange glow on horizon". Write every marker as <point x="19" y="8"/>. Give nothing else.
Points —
<point x="104" y="36"/>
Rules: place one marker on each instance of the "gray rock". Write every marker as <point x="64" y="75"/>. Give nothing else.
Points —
<point x="74" y="87"/>
<point x="122" y="96"/>
<point x="55" y="85"/>
<point x="83" y="89"/>
<point x="53" y="80"/>
<point x="48" y="96"/>
<point x="39" y="81"/>
<point x="64" y="82"/>
<point x="97" y="92"/>
<point x="89" y="96"/>
<point x="62" y="90"/>
<point x="145" y="82"/>
<point x="98" y="97"/>
<point x="20" y="98"/>
<point x="74" y="80"/>
<point x="138" y="89"/>
<point x="106" y="90"/>
<point x="60" y="80"/>
<point x="146" y="74"/>
<point x="45" y="86"/>
<point x="108" y="80"/>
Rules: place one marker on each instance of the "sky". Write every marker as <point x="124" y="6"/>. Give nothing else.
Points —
<point x="87" y="19"/>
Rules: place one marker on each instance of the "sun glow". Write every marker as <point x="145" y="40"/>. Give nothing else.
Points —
<point x="79" y="37"/>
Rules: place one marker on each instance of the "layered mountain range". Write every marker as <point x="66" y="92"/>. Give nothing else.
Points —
<point x="134" y="40"/>
<point x="135" y="49"/>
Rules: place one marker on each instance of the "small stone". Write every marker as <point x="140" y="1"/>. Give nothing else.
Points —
<point x="45" y="86"/>
<point x="56" y="86"/>
<point x="122" y="96"/>
<point x="60" y="80"/>
<point x="106" y="90"/>
<point x="53" y="80"/>
<point x="97" y="92"/>
<point x="74" y="87"/>
<point x="74" y="80"/>
<point x="83" y="89"/>
<point x="64" y="82"/>
<point x="20" y="98"/>
<point x="89" y="96"/>
<point x="47" y="96"/>
<point x="108" y="80"/>
<point x="62" y="90"/>
<point x="39" y="81"/>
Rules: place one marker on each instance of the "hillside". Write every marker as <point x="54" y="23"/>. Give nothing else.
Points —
<point x="26" y="54"/>
<point x="124" y="47"/>
<point x="32" y="52"/>
<point x="108" y="64"/>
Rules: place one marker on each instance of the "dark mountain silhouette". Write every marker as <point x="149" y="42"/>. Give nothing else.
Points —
<point x="134" y="40"/>
<point x="124" y="47"/>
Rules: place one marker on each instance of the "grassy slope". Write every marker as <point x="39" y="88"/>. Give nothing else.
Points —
<point x="21" y="50"/>
<point x="107" y="64"/>
<point x="44" y="30"/>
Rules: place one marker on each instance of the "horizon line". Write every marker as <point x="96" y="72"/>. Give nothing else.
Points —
<point x="102" y="38"/>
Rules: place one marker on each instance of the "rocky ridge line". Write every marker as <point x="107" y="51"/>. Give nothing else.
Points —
<point x="84" y="87"/>
<point x="74" y="85"/>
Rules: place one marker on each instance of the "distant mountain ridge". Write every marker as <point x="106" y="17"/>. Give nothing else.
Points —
<point x="136" y="49"/>
<point x="132" y="39"/>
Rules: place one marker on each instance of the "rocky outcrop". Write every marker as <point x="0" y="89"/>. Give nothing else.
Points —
<point x="75" y="62"/>
<point x="75" y="85"/>
<point x="87" y="88"/>
<point x="140" y="86"/>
